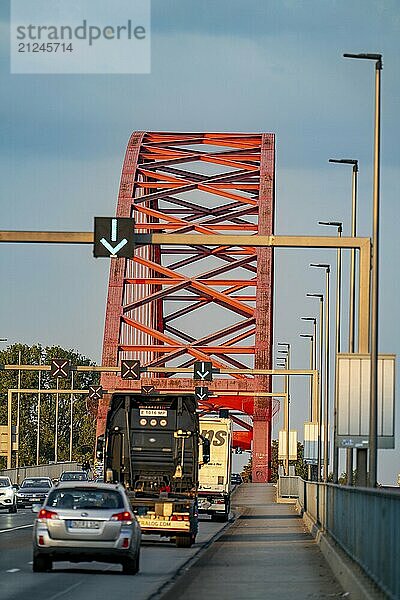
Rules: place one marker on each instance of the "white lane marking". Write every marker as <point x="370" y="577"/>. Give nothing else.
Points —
<point x="12" y="570"/>
<point x="15" y="528"/>
<point x="72" y="587"/>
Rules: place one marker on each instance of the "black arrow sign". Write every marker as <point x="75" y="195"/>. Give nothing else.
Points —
<point x="60" y="367"/>
<point x="201" y="393"/>
<point x="114" y="236"/>
<point x="202" y="370"/>
<point x="95" y="392"/>
<point x="130" y="369"/>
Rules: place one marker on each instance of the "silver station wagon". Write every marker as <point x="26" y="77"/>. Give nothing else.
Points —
<point x="86" y="521"/>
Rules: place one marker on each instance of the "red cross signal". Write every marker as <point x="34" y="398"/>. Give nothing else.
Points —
<point x="60" y="367"/>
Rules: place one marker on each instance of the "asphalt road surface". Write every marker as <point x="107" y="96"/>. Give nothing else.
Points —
<point x="159" y="562"/>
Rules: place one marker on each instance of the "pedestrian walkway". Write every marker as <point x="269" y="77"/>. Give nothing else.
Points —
<point x="266" y="554"/>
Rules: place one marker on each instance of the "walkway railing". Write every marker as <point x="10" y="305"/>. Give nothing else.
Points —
<point x="365" y="522"/>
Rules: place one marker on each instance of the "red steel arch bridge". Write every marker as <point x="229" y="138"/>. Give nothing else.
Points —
<point x="171" y="306"/>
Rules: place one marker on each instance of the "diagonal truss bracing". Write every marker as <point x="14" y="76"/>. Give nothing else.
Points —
<point x="170" y="306"/>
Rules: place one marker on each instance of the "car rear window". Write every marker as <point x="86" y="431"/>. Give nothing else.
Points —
<point x="76" y="498"/>
<point x="36" y="483"/>
<point x="74" y="476"/>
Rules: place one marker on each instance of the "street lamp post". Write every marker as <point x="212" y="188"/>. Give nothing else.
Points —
<point x="373" y="409"/>
<point x="311" y="338"/>
<point x="339" y="226"/>
<point x="71" y="422"/>
<point x="283" y="364"/>
<point x="286" y="352"/>
<point x="56" y="424"/>
<point x="314" y="409"/>
<point x="352" y="286"/>
<point x="319" y="415"/>
<point x="326" y="379"/>
<point x="312" y="343"/>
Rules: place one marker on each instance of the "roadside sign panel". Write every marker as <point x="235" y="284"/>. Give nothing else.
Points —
<point x="95" y="392"/>
<point x="311" y="442"/>
<point x="114" y="236"/>
<point x="201" y="393"/>
<point x="282" y="455"/>
<point x="202" y="370"/>
<point x="60" y="367"/>
<point x="353" y="398"/>
<point x="130" y="369"/>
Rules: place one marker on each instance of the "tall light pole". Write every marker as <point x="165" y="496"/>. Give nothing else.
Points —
<point x="339" y="226"/>
<point x="327" y="358"/>
<point x="38" y="415"/>
<point x="18" y="410"/>
<point x="282" y="362"/>
<point x="373" y="409"/>
<point x="312" y="355"/>
<point x="287" y="426"/>
<point x="352" y="286"/>
<point x="71" y="422"/>
<point x="311" y="338"/>
<point x="319" y="416"/>
<point x="56" y="424"/>
<point x="313" y="320"/>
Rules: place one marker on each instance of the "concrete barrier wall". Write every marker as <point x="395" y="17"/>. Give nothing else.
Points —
<point x="53" y="471"/>
<point x="288" y="486"/>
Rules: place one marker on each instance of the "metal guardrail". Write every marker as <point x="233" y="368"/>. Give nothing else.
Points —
<point x="53" y="471"/>
<point x="364" y="522"/>
<point x="288" y="486"/>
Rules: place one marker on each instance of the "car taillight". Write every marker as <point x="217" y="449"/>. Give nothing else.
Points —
<point x="122" y="516"/>
<point x="180" y="518"/>
<point x="47" y="514"/>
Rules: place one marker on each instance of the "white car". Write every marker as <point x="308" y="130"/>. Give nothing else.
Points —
<point x="8" y="495"/>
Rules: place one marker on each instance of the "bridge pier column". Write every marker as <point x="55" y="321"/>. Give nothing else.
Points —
<point x="261" y="470"/>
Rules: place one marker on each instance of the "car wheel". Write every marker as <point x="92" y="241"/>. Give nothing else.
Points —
<point x="13" y="508"/>
<point x="130" y="566"/>
<point x="184" y="541"/>
<point x="41" y="563"/>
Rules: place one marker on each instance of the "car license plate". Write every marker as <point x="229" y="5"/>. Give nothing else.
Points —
<point x="83" y="524"/>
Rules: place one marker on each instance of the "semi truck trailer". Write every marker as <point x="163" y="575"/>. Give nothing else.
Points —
<point x="152" y="448"/>
<point x="215" y="476"/>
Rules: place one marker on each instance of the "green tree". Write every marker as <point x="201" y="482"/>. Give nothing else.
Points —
<point x="84" y="420"/>
<point x="247" y="470"/>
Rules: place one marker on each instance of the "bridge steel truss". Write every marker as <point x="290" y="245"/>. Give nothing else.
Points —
<point x="170" y="306"/>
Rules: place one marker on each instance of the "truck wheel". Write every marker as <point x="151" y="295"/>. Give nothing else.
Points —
<point x="41" y="564"/>
<point x="184" y="541"/>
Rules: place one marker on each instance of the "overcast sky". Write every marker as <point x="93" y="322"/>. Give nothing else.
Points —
<point x="217" y="65"/>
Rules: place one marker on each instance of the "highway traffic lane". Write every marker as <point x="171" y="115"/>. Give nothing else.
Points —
<point x="160" y="560"/>
<point x="20" y="518"/>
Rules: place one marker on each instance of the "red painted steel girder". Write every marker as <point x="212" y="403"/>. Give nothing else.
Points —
<point x="170" y="306"/>
<point x="242" y="439"/>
